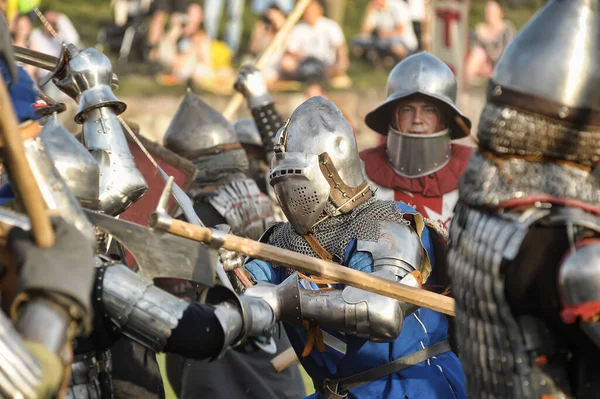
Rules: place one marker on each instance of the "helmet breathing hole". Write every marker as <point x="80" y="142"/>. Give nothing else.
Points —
<point x="304" y="201"/>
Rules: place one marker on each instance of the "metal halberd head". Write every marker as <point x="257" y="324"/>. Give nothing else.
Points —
<point x="160" y="254"/>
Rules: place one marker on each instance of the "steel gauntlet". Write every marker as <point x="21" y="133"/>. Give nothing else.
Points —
<point x="87" y="79"/>
<point x="251" y="84"/>
<point x="351" y="310"/>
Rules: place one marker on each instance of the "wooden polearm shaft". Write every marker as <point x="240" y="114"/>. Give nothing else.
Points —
<point x="276" y="45"/>
<point x="314" y="266"/>
<point x="20" y="173"/>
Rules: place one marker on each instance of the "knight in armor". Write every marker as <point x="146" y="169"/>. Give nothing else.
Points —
<point x="351" y="342"/>
<point x="419" y="164"/>
<point x="224" y="194"/>
<point x="124" y="302"/>
<point x="48" y="288"/>
<point x="524" y="243"/>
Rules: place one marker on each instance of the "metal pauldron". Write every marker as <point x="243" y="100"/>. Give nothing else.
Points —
<point x="55" y="192"/>
<point x="142" y="311"/>
<point x="73" y="161"/>
<point x="20" y="373"/>
<point x="244" y="207"/>
<point x="398" y="249"/>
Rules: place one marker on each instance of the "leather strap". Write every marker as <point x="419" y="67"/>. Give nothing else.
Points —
<point x="317" y="247"/>
<point x="315" y="335"/>
<point x="339" y="388"/>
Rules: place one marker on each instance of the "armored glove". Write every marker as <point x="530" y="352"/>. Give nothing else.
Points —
<point x="87" y="78"/>
<point x="63" y="274"/>
<point x="230" y="260"/>
<point x="251" y="84"/>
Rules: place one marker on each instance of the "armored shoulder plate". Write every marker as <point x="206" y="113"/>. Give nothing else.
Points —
<point x="398" y="249"/>
<point x="245" y="208"/>
<point x="267" y="234"/>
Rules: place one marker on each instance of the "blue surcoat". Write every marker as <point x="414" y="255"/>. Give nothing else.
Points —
<point x="439" y="377"/>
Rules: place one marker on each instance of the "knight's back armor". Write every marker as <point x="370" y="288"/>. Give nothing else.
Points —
<point x="524" y="251"/>
<point x="513" y="341"/>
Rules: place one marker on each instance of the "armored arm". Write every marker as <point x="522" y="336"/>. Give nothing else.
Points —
<point x="52" y="307"/>
<point x="396" y="255"/>
<point x="21" y="373"/>
<point x="579" y="287"/>
<point x="87" y="80"/>
<point x="252" y="85"/>
<point x="164" y="322"/>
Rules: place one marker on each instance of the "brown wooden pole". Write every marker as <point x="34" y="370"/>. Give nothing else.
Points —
<point x="20" y="172"/>
<point x="319" y="267"/>
<point x="276" y="45"/>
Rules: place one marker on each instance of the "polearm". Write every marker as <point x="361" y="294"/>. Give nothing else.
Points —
<point x="35" y="58"/>
<point x="276" y="45"/>
<point x="20" y="172"/>
<point x="305" y="264"/>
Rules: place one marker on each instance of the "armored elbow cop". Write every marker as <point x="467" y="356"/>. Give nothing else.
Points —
<point x="87" y="79"/>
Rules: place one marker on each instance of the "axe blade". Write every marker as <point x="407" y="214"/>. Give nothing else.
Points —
<point x="160" y="254"/>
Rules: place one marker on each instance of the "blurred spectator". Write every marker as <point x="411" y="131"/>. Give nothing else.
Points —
<point x="42" y="40"/>
<point x="387" y="31"/>
<point x="264" y="31"/>
<point x="316" y="50"/>
<point x="21" y="19"/>
<point x="186" y="48"/>
<point x="235" y="9"/>
<point x="489" y="41"/>
<point x="335" y="9"/>
<point x="260" y="6"/>
<point x="163" y="8"/>
<point x="418" y="13"/>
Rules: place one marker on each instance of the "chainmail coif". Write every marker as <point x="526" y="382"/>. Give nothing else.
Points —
<point x="335" y="233"/>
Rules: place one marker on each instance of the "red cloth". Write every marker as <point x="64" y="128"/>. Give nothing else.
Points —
<point x="423" y="193"/>
<point x="433" y="185"/>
